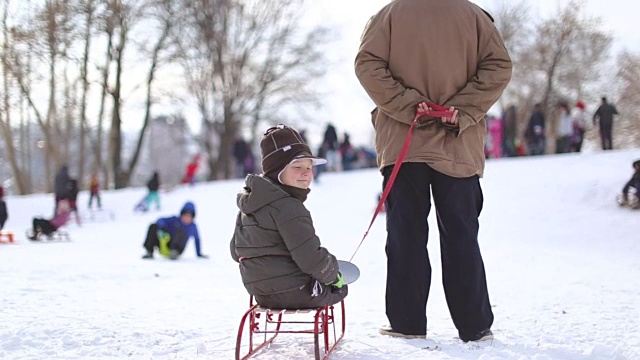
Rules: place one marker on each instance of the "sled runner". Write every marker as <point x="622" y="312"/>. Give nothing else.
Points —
<point x="631" y="201"/>
<point x="59" y="235"/>
<point x="323" y="320"/>
<point x="6" y="237"/>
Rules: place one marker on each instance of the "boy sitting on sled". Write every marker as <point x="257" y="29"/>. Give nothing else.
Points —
<point x="48" y="227"/>
<point x="281" y="261"/>
<point x="631" y="192"/>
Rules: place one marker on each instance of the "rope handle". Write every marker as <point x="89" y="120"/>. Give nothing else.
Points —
<point x="437" y="111"/>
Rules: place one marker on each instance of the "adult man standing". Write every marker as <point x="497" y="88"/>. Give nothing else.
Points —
<point x="61" y="186"/>
<point x="605" y="114"/>
<point x="447" y="52"/>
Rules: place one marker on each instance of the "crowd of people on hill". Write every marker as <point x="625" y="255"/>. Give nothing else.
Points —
<point x="341" y="155"/>
<point x="571" y="125"/>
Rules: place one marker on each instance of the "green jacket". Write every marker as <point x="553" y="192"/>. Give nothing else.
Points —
<point x="275" y="241"/>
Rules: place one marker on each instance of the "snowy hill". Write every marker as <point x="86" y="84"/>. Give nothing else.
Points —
<point x="561" y="259"/>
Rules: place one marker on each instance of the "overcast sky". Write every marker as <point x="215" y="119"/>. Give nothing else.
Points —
<point x="347" y="105"/>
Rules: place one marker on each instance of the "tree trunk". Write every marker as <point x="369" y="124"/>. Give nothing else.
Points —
<point x="5" y="124"/>
<point x="115" y="139"/>
<point x="98" y="159"/>
<point x="149" y="101"/>
<point x="85" y="89"/>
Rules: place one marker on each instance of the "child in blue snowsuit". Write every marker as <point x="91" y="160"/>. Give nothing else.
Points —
<point x="170" y="234"/>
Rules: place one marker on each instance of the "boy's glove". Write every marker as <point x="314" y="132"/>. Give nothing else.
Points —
<point x="338" y="282"/>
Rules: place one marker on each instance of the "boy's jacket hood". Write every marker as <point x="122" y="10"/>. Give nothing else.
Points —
<point x="258" y="192"/>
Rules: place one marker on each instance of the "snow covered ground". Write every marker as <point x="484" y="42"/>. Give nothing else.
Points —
<point x="561" y="260"/>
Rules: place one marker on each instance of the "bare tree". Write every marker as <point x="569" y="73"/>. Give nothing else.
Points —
<point x="6" y="126"/>
<point x="514" y="22"/>
<point x="558" y="60"/>
<point x="106" y="24"/>
<point x="627" y="128"/>
<point x="88" y="7"/>
<point x="124" y="15"/>
<point x="246" y="60"/>
<point x="163" y="12"/>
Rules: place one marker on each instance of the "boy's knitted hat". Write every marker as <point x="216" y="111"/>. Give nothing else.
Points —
<point x="281" y="145"/>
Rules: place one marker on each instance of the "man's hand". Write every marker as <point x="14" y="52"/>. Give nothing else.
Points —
<point x="452" y="122"/>
<point x="423" y="120"/>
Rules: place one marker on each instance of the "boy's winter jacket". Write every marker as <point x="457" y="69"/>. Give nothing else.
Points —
<point x="275" y="241"/>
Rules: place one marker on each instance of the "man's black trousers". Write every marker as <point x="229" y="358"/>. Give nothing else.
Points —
<point x="606" y="136"/>
<point x="458" y="202"/>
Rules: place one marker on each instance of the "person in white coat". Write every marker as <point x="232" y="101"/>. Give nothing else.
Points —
<point x="565" y="129"/>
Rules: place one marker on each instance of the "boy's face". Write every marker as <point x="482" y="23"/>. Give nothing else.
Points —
<point x="298" y="174"/>
<point x="186" y="218"/>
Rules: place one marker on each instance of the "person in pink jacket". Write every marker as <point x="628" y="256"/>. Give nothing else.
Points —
<point x="48" y="227"/>
<point x="495" y="132"/>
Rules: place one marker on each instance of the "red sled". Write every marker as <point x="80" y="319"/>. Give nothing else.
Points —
<point x="6" y="237"/>
<point x="272" y="319"/>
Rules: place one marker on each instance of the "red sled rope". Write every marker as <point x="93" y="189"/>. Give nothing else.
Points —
<point x="436" y="111"/>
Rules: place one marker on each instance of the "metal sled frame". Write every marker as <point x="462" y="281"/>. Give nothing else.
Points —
<point x="323" y="320"/>
<point x="59" y="235"/>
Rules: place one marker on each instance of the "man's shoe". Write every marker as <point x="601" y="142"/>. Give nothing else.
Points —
<point x="483" y="335"/>
<point x="148" y="256"/>
<point x="387" y="330"/>
<point x="174" y="254"/>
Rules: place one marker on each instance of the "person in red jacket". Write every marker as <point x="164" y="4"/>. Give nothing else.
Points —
<point x="190" y="171"/>
<point x="94" y="190"/>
